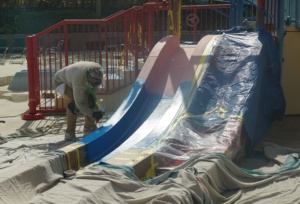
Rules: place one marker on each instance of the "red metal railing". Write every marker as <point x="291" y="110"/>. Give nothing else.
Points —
<point x="120" y="43"/>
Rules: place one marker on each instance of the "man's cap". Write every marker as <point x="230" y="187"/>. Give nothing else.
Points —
<point x="95" y="71"/>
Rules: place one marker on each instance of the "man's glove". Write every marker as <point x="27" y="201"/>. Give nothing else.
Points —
<point x="98" y="115"/>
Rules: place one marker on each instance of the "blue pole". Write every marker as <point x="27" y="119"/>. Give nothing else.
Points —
<point x="239" y="17"/>
<point x="232" y="14"/>
<point x="236" y="12"/>
<point x="280" y="26"/>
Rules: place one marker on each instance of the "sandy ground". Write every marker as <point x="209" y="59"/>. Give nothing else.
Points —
<point x="24" y="140"/>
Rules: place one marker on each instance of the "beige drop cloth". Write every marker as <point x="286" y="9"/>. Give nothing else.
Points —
<point x="207" y="179"/>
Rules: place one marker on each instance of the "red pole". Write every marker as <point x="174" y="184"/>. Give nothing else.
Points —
<point x="151" y="28"/>
<point x="195" y="27"/>
<point x="66" y="44"/>
<point x="32" y="113"/>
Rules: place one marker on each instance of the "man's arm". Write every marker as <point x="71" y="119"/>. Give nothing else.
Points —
<point x="80" y="98"/>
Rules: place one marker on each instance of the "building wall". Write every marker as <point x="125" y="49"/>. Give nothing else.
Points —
<point x="291" y="70"/>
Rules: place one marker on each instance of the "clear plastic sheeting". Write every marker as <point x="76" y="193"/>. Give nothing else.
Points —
<point x="233" y="104"/>
<point x="191" y="137"/>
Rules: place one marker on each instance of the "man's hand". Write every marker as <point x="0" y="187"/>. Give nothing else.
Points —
<point x="98" y="115"/>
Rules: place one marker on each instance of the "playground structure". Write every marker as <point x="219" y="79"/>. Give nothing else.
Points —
<point x="190" y="100"/>
<point x="120" y="43"/>
<point x="169" y="91"/>
<point x="123" y="43"/>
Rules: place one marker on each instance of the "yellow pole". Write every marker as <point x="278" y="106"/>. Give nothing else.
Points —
<point x="174" y="18"/>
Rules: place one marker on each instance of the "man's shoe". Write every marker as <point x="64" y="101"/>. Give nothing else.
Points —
<point x="71" y="137"/>
<point x="87" y="131"/>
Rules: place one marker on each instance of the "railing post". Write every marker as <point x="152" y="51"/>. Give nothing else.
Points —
<point x="135" y="40"/>
<point x="107" y="85"/>
<point x="195" y="27"/>
<point x="66" y="44"/>
<point x="126" y="40"/>
<point x="151" y="28"/>
<point x="32" y="114"/>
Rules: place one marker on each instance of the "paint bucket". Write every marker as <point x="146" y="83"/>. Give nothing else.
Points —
<point x="69" y="173"/>
<point x="100" y="104"/>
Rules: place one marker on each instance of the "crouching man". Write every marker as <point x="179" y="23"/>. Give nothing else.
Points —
<point x="80" y="81"/>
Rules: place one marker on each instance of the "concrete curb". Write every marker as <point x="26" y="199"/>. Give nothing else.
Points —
<point x="4" y="81"/>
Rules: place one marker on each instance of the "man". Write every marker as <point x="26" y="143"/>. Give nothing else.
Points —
<point x="80" y="79"/>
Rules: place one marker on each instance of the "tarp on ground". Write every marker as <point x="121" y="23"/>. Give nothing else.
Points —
<point x="236" y="100"/>
<point x="211" y="178"/>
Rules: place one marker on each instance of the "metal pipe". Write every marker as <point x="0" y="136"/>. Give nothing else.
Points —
<point x="32" y="113"/>
<point x="260" y="11"/>
<point x="280" y="27"/>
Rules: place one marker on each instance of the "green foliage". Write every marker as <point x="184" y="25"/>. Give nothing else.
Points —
<point x="7" y="21"/>
<point x="123" y="4"/>
<point x="29" y="22"/>
<point x="33" y="16"/>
